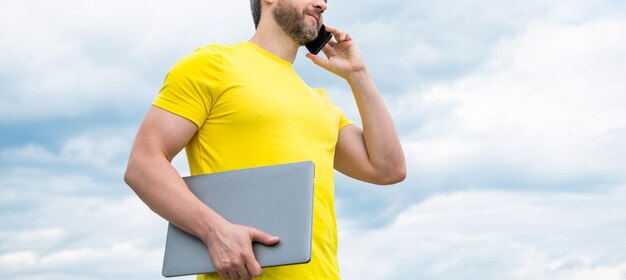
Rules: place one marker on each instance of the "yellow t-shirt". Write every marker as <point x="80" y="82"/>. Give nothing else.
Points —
<point x="252" y="109"/>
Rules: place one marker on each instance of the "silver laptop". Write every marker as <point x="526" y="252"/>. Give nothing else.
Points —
<point x="277" y="199"/>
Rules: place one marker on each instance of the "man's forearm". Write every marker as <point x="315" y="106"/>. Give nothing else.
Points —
<point x="159" y="185"/>
<point x="380" y="136"/>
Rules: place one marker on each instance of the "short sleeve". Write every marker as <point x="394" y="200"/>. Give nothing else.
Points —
<point x="190" y="85"/>
<point x="343" y="120"/>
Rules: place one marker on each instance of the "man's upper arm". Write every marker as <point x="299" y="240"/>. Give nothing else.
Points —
<point x="164" y="132"/>
<point x="351" y="157"/>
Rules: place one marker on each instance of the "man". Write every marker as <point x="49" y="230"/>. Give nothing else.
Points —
<point x="243" y="105"/>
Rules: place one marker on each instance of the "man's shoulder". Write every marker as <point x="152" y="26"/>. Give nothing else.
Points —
<point x="218" y="48"/>
<point x="209" y="53"/>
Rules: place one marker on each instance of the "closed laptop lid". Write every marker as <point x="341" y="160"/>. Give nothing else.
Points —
<point x="277" y="199"/>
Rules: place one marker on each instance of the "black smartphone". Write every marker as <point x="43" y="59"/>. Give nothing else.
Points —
<point x="316" y="45"/>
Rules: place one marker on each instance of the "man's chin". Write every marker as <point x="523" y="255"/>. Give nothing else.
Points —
<point x="308" y="40"/>
<point x="307" y="37"/>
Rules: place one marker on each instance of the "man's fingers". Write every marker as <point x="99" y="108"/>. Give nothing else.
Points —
<point x="231" y="275"/>
<point x="319" y="61"/>
<point x="262" y="237"/>
<point x="248" y="268"/>
<point x="332" y="42"/>
<point x="328" y="50"/>
<point x="223" y="274"/>
<point x="244" y="274"/>
<point x="339" y="35"/>
<point x="253" y="266"/>
<point x="229" y="272"/>
<point x="232" y="255"/>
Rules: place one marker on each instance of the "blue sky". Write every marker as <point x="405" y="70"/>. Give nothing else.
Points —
<point x="511" y="114"/>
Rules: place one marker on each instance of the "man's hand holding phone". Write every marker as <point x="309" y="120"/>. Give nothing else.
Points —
<point x="343" y="58"/>
<point x="320" y="41"/>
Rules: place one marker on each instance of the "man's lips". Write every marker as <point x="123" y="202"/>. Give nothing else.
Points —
<point x="316" y="17"/>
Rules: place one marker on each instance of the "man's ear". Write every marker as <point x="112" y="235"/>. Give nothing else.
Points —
<point x="266" y="8"/>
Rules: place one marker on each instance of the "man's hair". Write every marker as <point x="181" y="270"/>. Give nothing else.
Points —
<point x="255" y="5"/>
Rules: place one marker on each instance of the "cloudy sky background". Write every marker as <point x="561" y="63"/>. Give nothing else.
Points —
<point x="511" y="114"/>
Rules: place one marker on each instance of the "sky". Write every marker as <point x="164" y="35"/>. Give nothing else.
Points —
<point x="511" y="116"/>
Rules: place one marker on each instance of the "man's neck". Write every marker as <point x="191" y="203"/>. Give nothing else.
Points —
<point x="274" y="40"/>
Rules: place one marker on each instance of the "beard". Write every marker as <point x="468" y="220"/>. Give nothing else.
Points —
<point x="293" y="23"/>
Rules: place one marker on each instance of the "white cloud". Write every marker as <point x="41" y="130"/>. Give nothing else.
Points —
<point x="92" y="236"/>
<point x="495" y="235"/>
<point x="101" y="56"/>
<point x="17" y="259"/>
<point x="31" y="236"/>
<point x="409" y="45"/>
<point x="29" y="152"/>
<point x="549" y="106"/>
<point x="545" y="107"/>
<point x="105" y="150"/>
